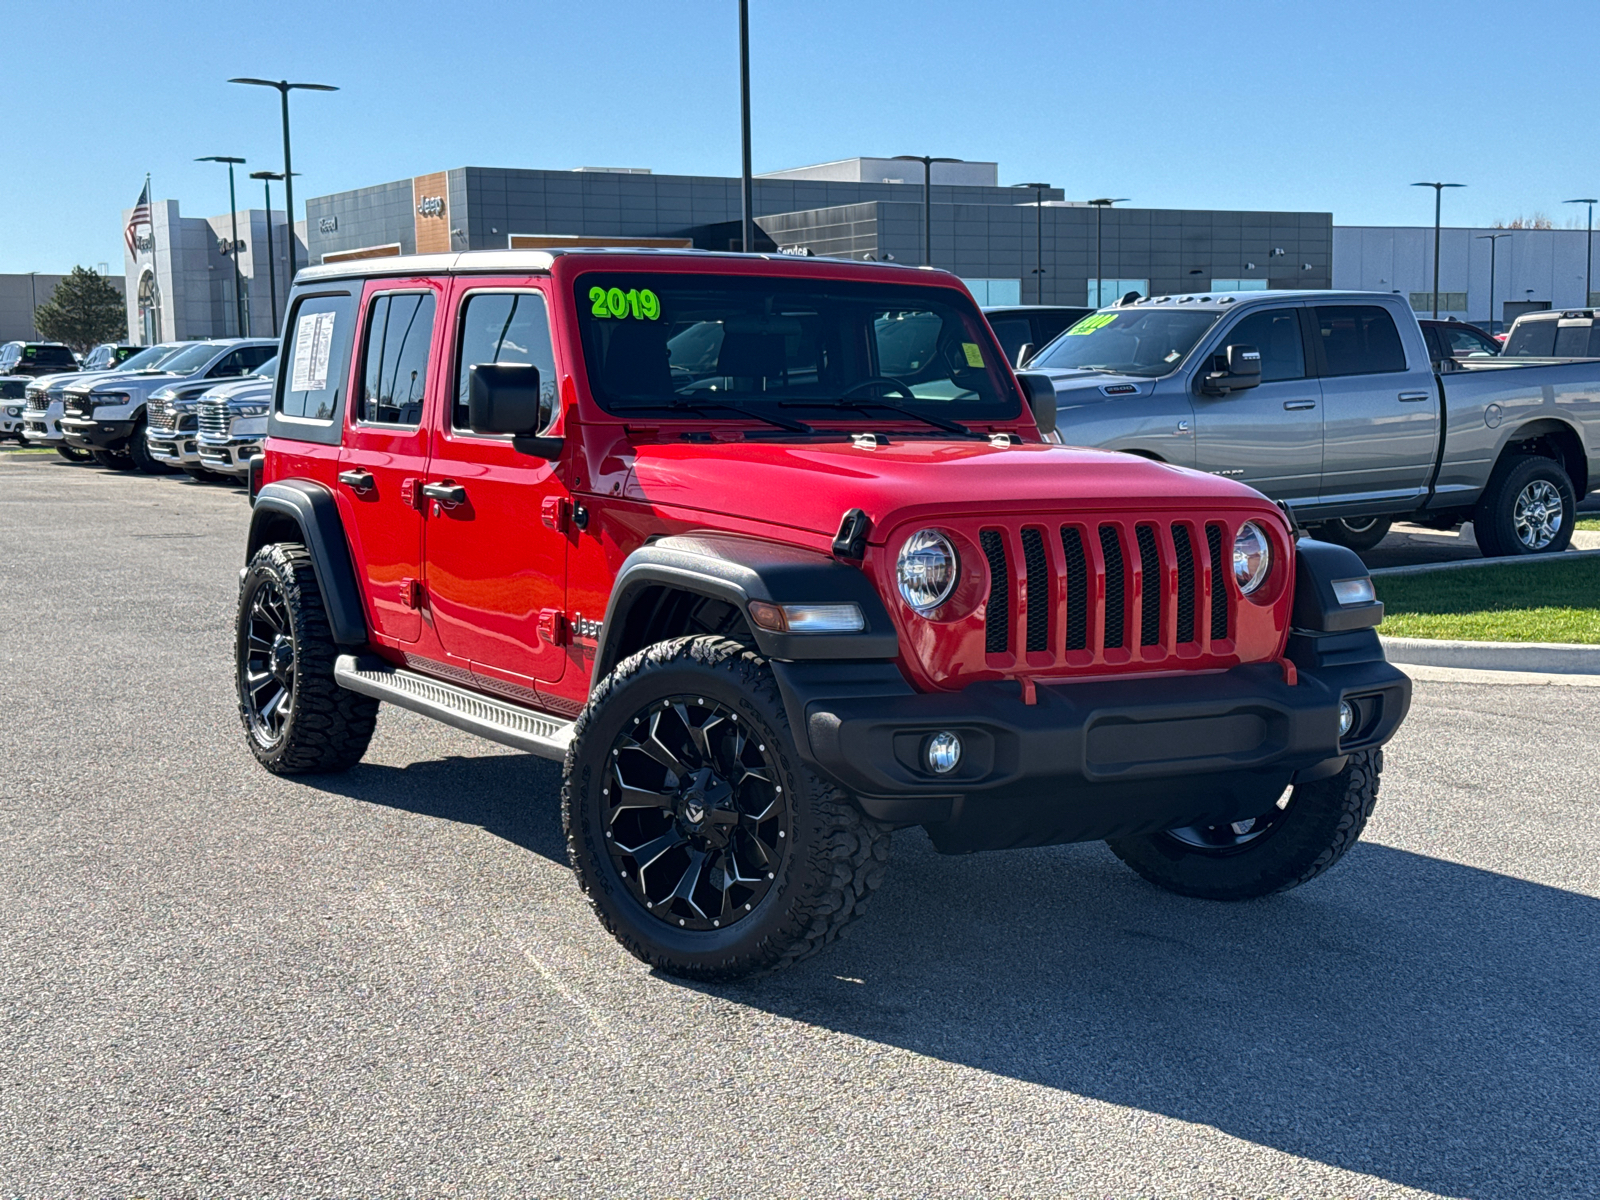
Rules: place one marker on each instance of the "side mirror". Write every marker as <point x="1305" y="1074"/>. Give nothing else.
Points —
<point x="1236" y="368"/>
<point x="1024" y="353"/>
<point x="504" y="398"/>
<point x="1041" y="394"/>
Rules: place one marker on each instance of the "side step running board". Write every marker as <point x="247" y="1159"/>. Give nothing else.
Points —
<point x="499" y="721"/>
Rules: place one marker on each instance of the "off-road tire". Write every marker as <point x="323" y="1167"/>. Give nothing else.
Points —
<point x="835" y="858"/>
<point x="1494" y="520"/>
<point x="72" y="454"/>
<point x="139" y="452"/>
<point x="1356" y="534"/>
<point x="329" y="727"/>
<point x="112" y="460"/>
<point x="1323" y="819"/>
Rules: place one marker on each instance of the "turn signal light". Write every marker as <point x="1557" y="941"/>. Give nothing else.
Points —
<point x="807" y="618"/>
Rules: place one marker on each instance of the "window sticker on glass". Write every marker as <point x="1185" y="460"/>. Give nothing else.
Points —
<point x="640" y="304"/>
<point x="974" y="354"/>
<point x="313" y="339"/>
<point x="1172" y="357"/>
<point x="1092" y="322"/>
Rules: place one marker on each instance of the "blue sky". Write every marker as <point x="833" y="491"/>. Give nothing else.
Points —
<point x="1328" y="107"/>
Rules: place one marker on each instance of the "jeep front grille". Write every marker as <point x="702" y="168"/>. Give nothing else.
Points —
<point x="1154" y="584"/>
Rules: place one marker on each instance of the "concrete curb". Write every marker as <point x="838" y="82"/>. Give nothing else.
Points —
<point x="1496" y="678"/>
<point x="1424" y="568"/>
<point x="1553" y="658"/>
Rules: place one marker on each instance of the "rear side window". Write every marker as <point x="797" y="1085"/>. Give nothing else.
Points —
<point x="317" y="358"/>
<point x="1532" y="338"/>
<point x="1359" y="339"/>
<point x="1276" y="333"/>
<point x="399" y="338"/>
<point x="1464" y="343"/>
<point x="1572" y="341"/>
<point x="505" y="327"/>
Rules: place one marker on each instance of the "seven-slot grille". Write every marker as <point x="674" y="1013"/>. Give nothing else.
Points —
<point x="1160" y="579"/>
<point x="214" y="418"/>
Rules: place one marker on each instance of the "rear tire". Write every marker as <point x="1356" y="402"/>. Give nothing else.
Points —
<point x="1277" y="851"/>
<point x="72" y="454"/>
<point x="705" y="844"/>
<point x="1357" y="533"/>
<point x="112" y="460"/>
<point x="297" y="719"/>
<point x="1528" y="508"/>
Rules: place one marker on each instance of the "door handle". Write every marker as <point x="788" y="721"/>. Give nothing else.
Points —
<point x="1297" y="405"/>
<point x="1415" y="397"/>
<point x="359" y="481"/>
<point x="448" y="494"/>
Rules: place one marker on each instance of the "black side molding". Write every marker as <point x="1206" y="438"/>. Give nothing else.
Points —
<point x="315" y="514"/>
<point x="1316" y="608"/>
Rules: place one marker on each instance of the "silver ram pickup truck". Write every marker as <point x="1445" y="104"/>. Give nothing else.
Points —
<point x="1328" y="401"/>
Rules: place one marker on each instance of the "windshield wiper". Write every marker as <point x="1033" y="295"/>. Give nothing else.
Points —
<point x="699" y="406"/>
<point x="885" y="406"/>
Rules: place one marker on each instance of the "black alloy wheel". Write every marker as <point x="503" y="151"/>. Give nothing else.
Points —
<point x="695" y="819"/>
<point x="267" y="664"/>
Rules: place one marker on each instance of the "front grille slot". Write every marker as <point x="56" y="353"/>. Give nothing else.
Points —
<point x="1077" y="588"/>
<point x="997" y="618"/>
<point x="1150" y="595"/>
<point x="1219" y="585"/>
<point x="1185" y="549"/>
<point x="1038" y="564"/>
<point x="1116" y="586"/>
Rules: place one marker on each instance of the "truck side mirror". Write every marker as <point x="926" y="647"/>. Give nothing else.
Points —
<point x="1041" y="394"/>
<point x="504" y="398"/>
<point x="1236" y="368"/>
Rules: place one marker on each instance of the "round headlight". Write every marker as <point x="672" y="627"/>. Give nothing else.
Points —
<point x="1252" y="557"/>
<point x="927" y="569"/>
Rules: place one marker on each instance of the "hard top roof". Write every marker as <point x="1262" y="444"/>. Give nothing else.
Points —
<point x="535" y="262"/>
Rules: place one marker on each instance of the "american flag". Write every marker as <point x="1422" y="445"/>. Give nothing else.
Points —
<point x="141" y="216"/>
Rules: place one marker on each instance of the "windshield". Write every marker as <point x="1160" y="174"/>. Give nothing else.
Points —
<point x="802" y="346"/>
<point x="268" y="369"/>
<point x="1145" y="341"/>
<point x="189" y="359"/>
<point x="10" y="356"/>
<point x="13" y="389"/>
<point x="150" y="356"/>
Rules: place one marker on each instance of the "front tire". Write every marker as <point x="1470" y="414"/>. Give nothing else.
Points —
<point x="705" y="844"/>
<point x="1274" y="852"/>
<point x="1356" y="533"/>
<point x="139" y="452"/>
<point x="297" y="719"/>
<point x="1528" y="508"/>
<point x="112" y="460"/>
<point x="72" y="454"/>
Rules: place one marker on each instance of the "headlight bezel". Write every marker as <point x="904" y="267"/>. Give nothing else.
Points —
<point x="917" y="553"/>
<point x="1253" y="577"/>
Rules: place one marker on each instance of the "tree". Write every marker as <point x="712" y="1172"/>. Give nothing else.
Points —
<point x="83" y="311"/>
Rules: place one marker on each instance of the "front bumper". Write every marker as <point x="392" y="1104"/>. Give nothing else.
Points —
<point x="1091" y="760"/>
<point x="92" y="433"/>
<point x="10" y="427"/>
<point x="178" y="447"/>
<point x="230" y="456"/>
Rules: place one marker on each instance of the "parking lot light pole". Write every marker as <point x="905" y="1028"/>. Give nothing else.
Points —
<point x="927" y="199"/>
<point x="746" y="187"/>
<point x="1100" y="207"/>
<point x="1492" y="239"/>
<point x="284" y="88"/>
<point x="1038" y="238"/>
<point x="233" y="247"/>
<point x="1438" y="191"/>
<point x="266" y="178"/>
<point x="1588" y="273"/>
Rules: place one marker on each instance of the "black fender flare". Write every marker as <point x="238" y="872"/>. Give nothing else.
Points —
<point x="314" y="512"/>
<point x="737" y="570"/>
<point x="1316" y="609"/>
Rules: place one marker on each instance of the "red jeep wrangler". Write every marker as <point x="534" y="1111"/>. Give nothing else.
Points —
<point x="774" y="555"/>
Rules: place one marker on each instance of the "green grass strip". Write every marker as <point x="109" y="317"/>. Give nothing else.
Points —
<point x="1552" y="600"/>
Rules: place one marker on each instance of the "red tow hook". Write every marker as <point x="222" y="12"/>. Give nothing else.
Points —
<point x="1290" y="675"/>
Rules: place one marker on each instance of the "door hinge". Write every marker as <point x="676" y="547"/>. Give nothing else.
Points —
<point x="553" y="626"/>
<point x="556" y="511"/>
<point x="411" y="593"/>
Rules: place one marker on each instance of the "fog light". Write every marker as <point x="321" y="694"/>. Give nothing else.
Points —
<point x="942" y="753"/>
<point x="1347" y="717"/>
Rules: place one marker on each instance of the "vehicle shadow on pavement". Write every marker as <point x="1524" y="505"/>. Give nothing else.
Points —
<point x="1405" y="1017"/>
<point x="513" y="796"/>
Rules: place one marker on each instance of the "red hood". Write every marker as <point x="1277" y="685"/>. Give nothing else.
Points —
<point x="810" y="486"/>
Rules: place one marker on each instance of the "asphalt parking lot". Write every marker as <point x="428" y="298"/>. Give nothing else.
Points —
<point x="215" y="982"/>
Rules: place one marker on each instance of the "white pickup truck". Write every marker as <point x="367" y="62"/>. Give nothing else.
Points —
<point x="1328" y="401"/>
